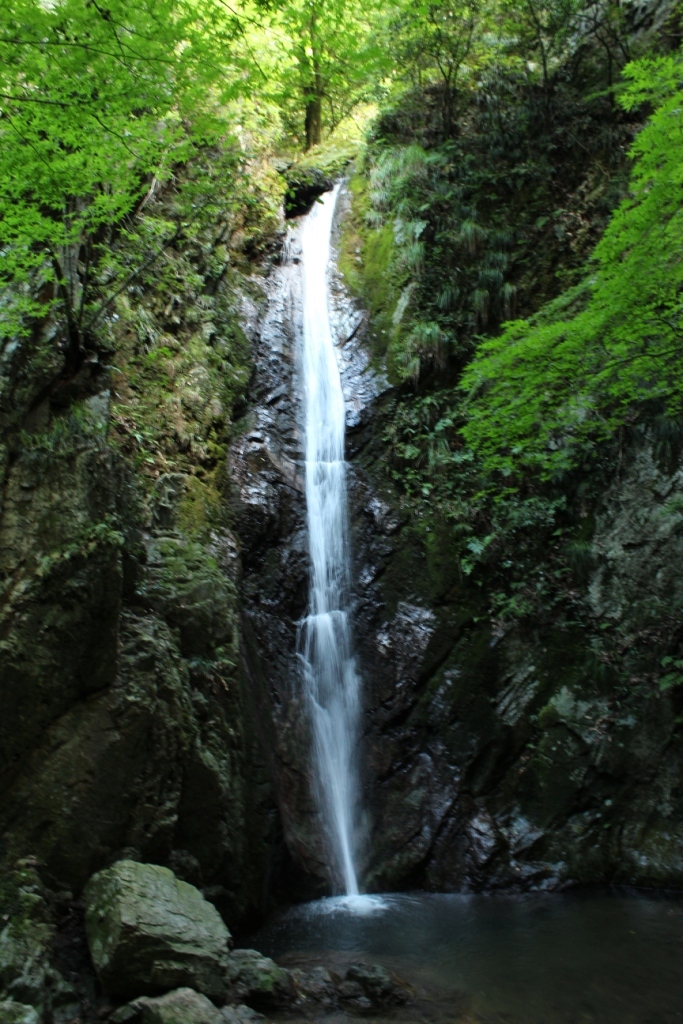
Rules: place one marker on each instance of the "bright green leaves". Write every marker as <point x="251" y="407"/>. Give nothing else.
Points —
<point x="544" y="392"/>
<point x="95" y="101"/>
<point x="320" y="60"/>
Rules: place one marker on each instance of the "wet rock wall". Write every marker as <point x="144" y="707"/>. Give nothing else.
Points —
<point x="511" y="756"/>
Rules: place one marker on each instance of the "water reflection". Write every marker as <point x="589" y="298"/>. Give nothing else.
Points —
<point x="605" y="958"/>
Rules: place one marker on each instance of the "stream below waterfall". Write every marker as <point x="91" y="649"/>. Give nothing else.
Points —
<point x="577" y="958"/>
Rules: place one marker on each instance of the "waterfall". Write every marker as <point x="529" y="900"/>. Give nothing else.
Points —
<point x="329" y="670"/>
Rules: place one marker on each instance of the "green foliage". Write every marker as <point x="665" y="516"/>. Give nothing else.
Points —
<point x="77" y="428"/>
<point x="491" y="222"/>
<point x="481" y="223"/>
<point x="319" y="60"/>
<point x="97" y="103"/>
<point x="181" y="361"/>
<point x="94" y="537"/>
<point x="366" y="260"/>
<point x="549" y="389"/>
<point x="674" y="677"/>
<point x="437" y="41"/>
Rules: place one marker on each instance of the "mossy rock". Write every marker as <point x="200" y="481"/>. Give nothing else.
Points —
<point x="186" y="586"/>
<point x="149" y="932"/>
<point x="25" y="942"/>
<point x="61" y="566"/>
<point x="315" y="173"/>
<point x="258" y="981"/>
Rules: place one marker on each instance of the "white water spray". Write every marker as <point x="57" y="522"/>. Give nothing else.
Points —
<point x="330" y="675"/>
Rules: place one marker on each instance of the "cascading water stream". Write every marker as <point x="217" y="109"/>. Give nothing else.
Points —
<point x="330" y="676"/>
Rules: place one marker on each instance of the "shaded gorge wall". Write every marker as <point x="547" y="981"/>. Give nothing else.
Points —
<point x="524" y="754"/>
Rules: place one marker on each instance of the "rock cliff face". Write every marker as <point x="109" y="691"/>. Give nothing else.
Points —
<point x="527" y="755"/>
<point x="127" y="727"/>
<point x="496" y="755"/>
<point x="149" y="605"/>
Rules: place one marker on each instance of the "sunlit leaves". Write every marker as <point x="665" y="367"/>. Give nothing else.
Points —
<point x="323" y="54"/>
<point x="548" y="389"/>
<point x="96" y="100"/>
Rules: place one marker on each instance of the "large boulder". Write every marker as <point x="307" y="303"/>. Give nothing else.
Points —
<point x="149" y="932"/>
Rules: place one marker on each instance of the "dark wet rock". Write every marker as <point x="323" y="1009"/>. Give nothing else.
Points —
<point x="317" y="985"/>
<point x="314" y="173"/>
<point x="527" y="756"/>
<point x="353" y="998"/>
<point x="377" y="985"/>
<point x="304" y="185"/>
<point x="257" y="980"/>
<point x="125" y="703"/>
<point x="240" y="1015"/>
<point x="149" y="932"/>
<point x="61" y="574"/>
<point x="270" y="516"/>
<point x="191" y="592"/>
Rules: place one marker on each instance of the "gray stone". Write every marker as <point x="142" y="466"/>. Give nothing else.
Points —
<point x="353" y="998"/>
<point x="182" y="1006"/>
<point x="377" y="984"/>
<point x="257" y="980"/>
<point x="317" y="985"/>
<point x="149" y="932"/>
<point x="25" y="941"/>
<point x="239" y="1015"/>
<point x="17" y="1013"/>
<point x="125" y="1014"/>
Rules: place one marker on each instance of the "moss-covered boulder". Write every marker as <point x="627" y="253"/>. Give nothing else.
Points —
<point x="315" y="173"/>
<point x="149" y="932"/>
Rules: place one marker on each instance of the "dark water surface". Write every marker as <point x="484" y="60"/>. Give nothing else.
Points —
<point x="588" y="958"/>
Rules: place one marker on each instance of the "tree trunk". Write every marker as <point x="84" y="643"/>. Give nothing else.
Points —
<point x="313" y="121"/>
<point x="313" y="93"/>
